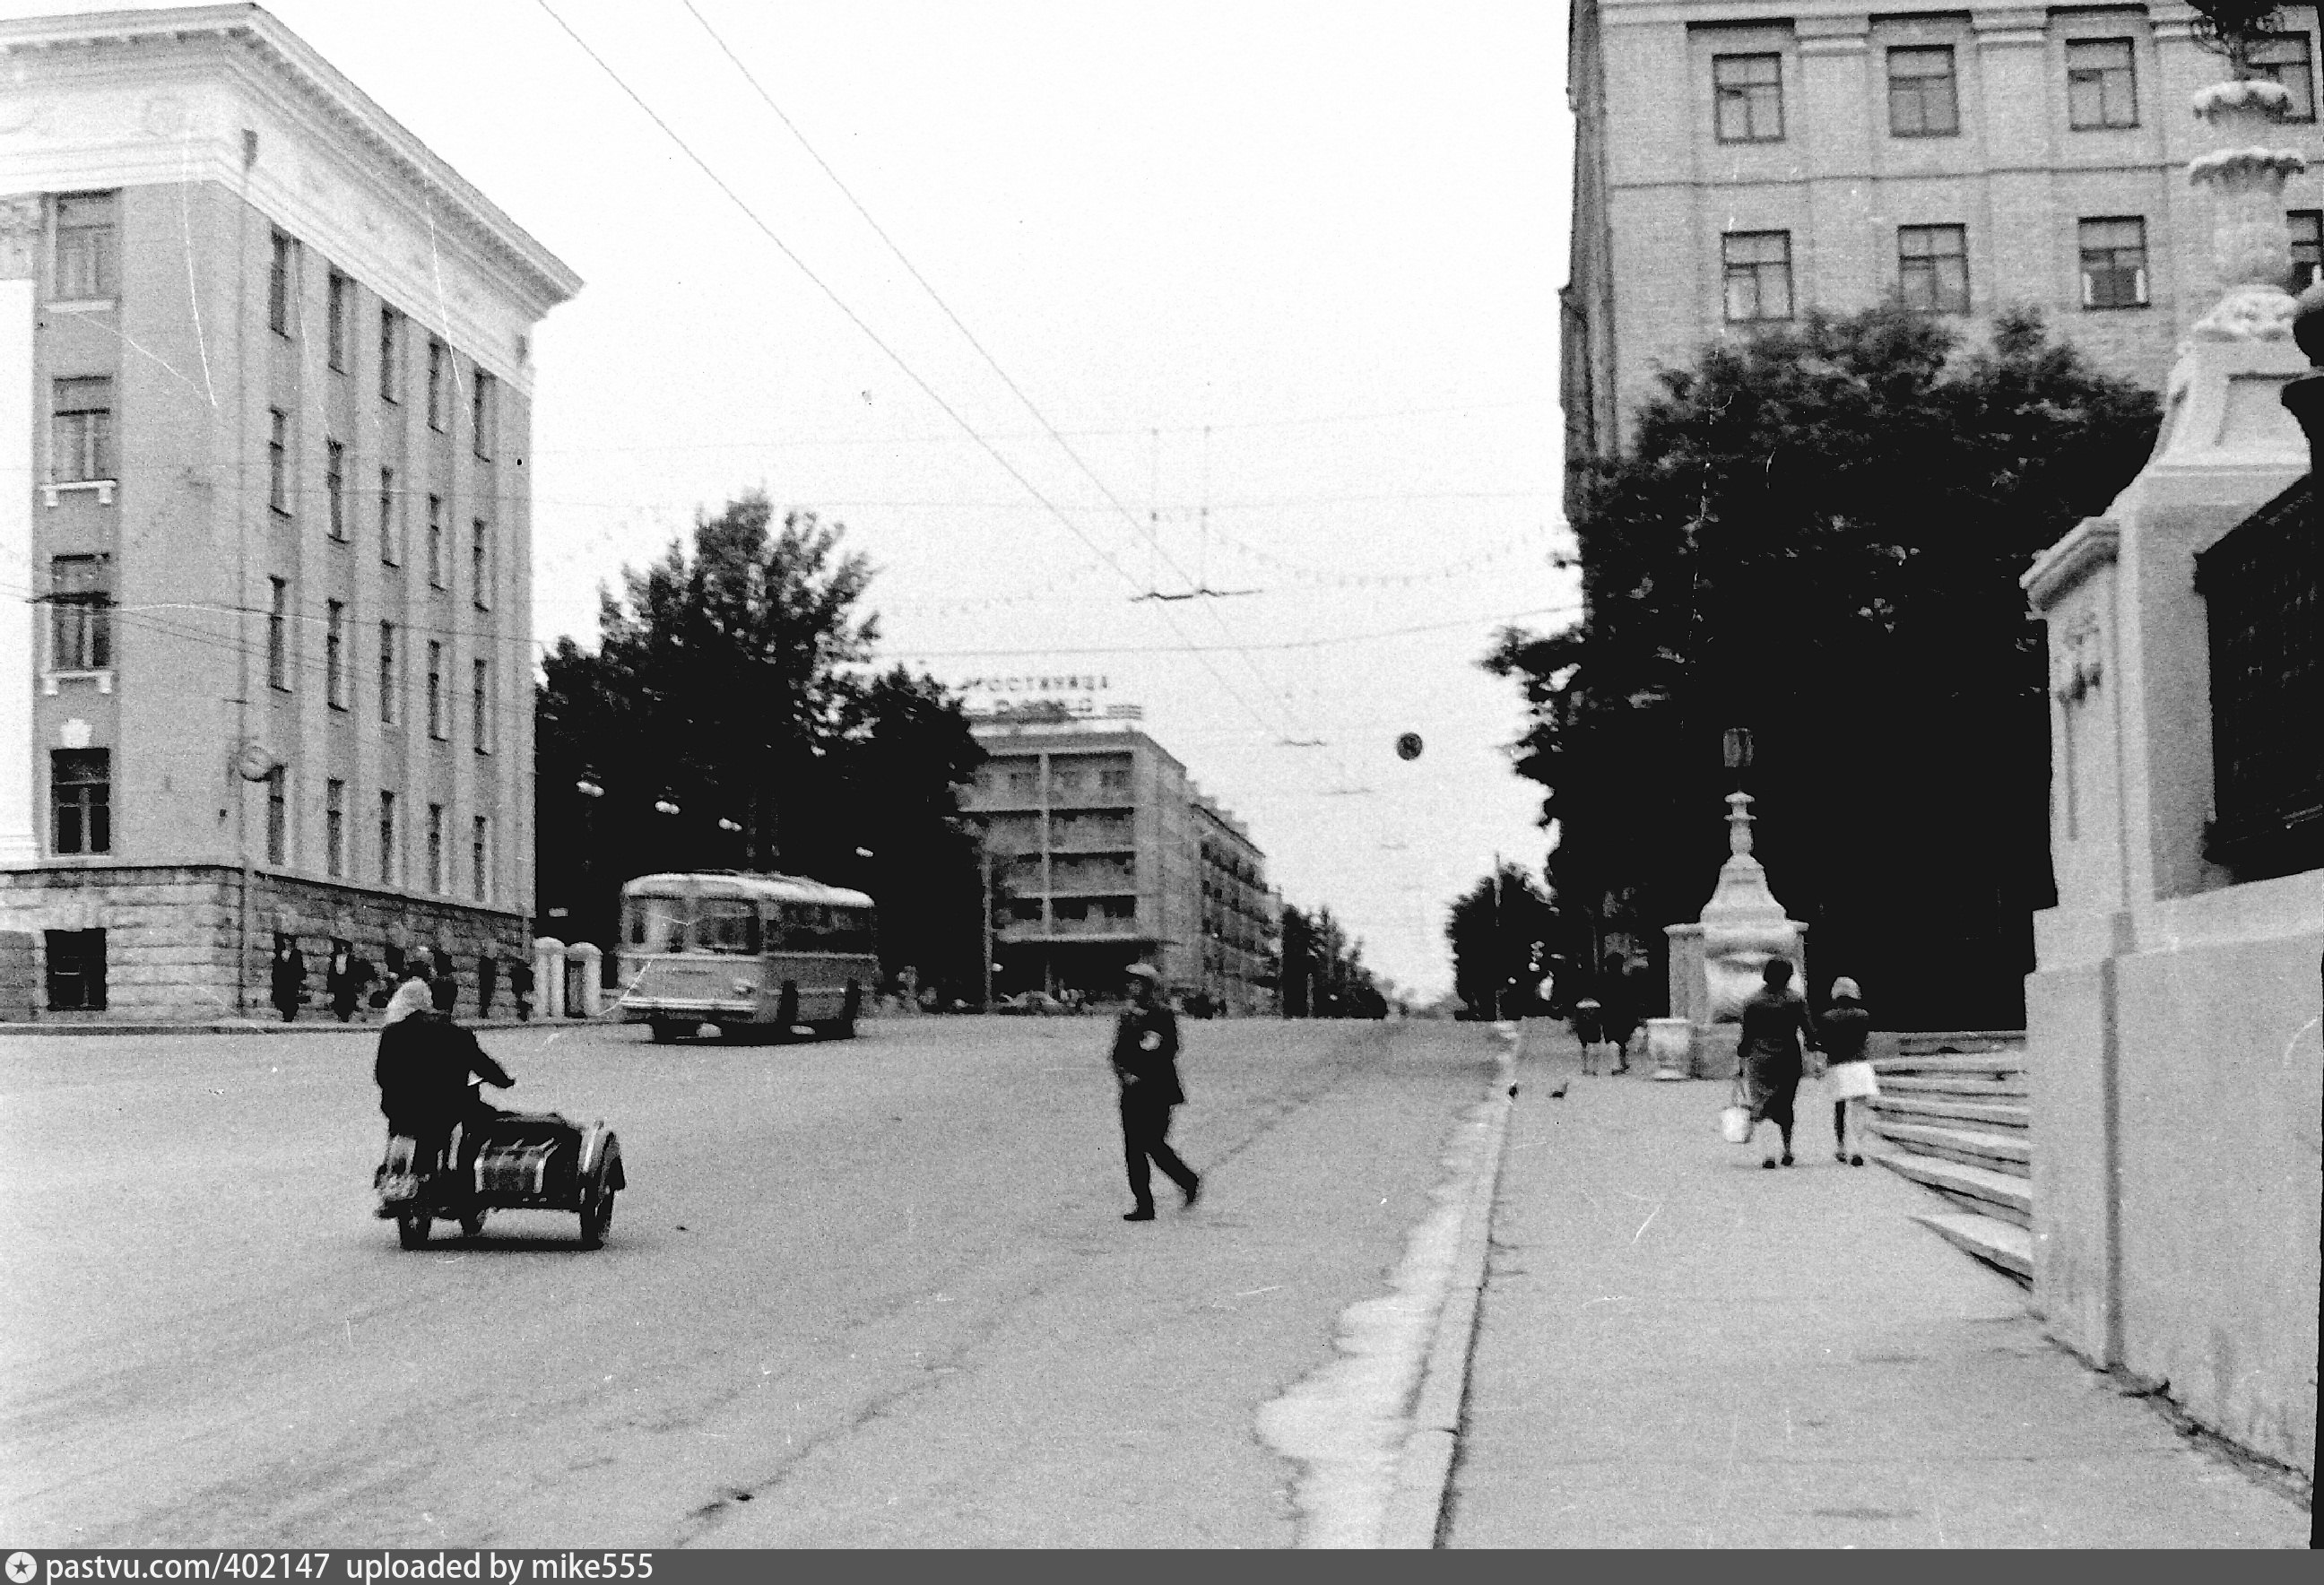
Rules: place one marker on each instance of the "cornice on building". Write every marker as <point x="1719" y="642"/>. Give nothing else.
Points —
<point x="182" y="78"/>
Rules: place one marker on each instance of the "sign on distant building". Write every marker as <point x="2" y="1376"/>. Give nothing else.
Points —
<point x="1043" y="695"/>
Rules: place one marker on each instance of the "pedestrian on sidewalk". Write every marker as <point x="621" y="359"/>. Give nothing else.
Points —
<point x="1589" y="1028"/>
<point x="1146" y="1066"/>
<point x="286" y="976"/>
<point x="519" y="983"/>
<point x="1846" y="1029"/>
<point x="345" y="977"/>
<point x="1618" y="996"/>
<point x="1776" y="1025"/>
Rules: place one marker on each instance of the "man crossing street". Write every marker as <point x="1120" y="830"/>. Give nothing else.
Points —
<point x="1146" y="1064"/>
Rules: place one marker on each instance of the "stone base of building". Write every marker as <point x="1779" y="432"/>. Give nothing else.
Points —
<point x="162" y="942"/>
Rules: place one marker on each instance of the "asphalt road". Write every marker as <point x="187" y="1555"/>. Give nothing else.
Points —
<point x="872" y="1292"/>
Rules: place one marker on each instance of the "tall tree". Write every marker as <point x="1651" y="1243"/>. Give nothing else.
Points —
<point x="1816" y="535"/>
<point x="1501" y="932"/>
<point x="725" y="720"/>
<point x="1324" y="973"/>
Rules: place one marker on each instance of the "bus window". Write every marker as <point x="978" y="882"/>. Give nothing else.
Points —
<point x="850" y="929"/>
<point x="798" y="930"/>
<point x="725" y="925"/>
<point x="656" y="923"/>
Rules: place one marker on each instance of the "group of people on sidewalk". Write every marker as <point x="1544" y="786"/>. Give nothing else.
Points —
<point x="349" y="977"/>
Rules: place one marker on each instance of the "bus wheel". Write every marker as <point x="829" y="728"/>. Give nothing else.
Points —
<point x="663" y="1030"/>
<point x="849" y="1011"/>
<point x="787" y="1007"/>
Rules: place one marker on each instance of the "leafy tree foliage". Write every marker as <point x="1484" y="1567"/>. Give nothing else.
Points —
<point x="1501" y="932"/>
<point x="1323" y="971"/>
<point x="729" y="681"/>
<point x="1817" y="535"/>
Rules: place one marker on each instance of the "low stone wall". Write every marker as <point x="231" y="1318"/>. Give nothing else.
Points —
<point x="2175" y="1093"/>
<point x="172" y="933"/>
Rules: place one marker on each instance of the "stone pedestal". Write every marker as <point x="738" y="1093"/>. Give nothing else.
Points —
<point x="549" y="976"/>
<point x="1715" y="963"/>
<point x="1671" y="1042"/>
<point x="590" y="980"/>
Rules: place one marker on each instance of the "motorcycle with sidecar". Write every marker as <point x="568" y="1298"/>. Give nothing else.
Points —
<point x="501" y="1161"/>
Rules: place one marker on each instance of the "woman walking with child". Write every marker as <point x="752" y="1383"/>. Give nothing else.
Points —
<point x="1775" y="1024"/>
<point x="1847" y="1027"/>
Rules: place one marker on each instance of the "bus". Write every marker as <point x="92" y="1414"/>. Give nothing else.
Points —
<point x="747" y="953"/>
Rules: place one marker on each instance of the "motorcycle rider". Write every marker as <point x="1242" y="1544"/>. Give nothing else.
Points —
<point x="424" y="1066"/>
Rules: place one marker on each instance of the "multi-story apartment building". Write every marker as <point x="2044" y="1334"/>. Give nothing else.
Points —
<point x="1108" y="855"/>
<point x="264" y="518"/>
<point x="1738" y="162"/>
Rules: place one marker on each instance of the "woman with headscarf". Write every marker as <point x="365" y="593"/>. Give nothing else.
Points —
<point x="411" y="997"/>
<point x="287" y="977"/>
<point x="1847" y="1026"/>
<point x="1775" y="1025"/>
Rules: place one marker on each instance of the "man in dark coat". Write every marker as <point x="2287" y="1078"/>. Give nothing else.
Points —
<point x="487" y="981"/>
<point x="287" y="977"/>
<point x="519" y="981"/>
<point x="346" y="977"/>
<point x="1146" y="1064"/>
<point x="423" y="1068"/>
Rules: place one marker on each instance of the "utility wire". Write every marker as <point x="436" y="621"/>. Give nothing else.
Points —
<point x="872" y="336"/>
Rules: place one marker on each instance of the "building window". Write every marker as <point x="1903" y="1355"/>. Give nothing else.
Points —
<point x="1758" y="269"/>
<point x="480" y="580"/>
<point x="391" y="521"/>
<point x="280" y="282"/>
<point x="87" y="247"/>
<point x="480" y="714"/>
<point x="81" y="613"/>
<point x="436" y="848"/>
<point x="1921" y="102"/>
<point x="1932" y="268"/>
<point x="435" y="689"/>
<point x="2114" y="264"/>
<point x="278" y="815"/>
<point x="335" y="654"/>
<point x="480" y="869"/>
<point x="334" y="827"/>
<point x="436" y="360"/>
<point x="390" y="355"/>
<point x="388" y="867"/>
<point x="335" y="462"/>
<point x="2287" y="59"/>
<point x="387" y="673"/>
<point x="2101" y="84"/>
<point x="278" y="637"/>
<point x="1119" y="777"/>
<point x="80" y="442"/>
<point x="480" y="415"/>
<point x="335" y="334"/>
<point x="278" y="459"/>
<point x="1748" y="97"/>
<point x="81" y="801"/>
<point x="436" y="541"/>
<point x="2307" y="246"/>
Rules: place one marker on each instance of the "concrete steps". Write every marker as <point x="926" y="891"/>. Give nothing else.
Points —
<point x="1996" y="1243"/>
<point x="1952" y="1106"/>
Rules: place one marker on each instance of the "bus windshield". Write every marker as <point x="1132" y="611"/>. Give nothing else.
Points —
<point x="657" y="923"/>
<point x="727" y="925"/>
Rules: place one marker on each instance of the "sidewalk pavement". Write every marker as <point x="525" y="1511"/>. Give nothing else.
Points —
<point x="1678" y="1349"/>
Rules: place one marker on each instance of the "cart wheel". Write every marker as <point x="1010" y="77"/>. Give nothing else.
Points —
<point x="411" y="1229"/>
<point x="663" y="1031"/>
<point x="472" y="1226"/>
<point x="596" y="1216"/>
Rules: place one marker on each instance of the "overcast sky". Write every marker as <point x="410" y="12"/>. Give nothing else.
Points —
<point x="1283" y="276"/>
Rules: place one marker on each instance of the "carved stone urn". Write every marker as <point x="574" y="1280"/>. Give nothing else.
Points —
<point x="2250" y="246"/>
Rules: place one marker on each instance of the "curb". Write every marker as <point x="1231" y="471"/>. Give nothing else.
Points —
<point x="1423" y="1472"/>
<point x="257" y="1026"/>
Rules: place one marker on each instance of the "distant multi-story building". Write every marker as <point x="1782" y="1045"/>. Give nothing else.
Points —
<point x="1738" y="162"/>
<point x="264" y="421"/>
<point x="1108" y="855"/>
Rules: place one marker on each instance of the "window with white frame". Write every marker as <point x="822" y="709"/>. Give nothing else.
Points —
<point x="436" y="848"/>
<point x="2307" y="246"/>
<point x="391" y="868"/>
<point x="390" y="677"/>
<point x="2113" y="263"/>
<point x="335" y="486"/>
<point x="278" y="459"/>
<point x="335" y="654"/>
<point x="390" y="520"/>
<point x="278" y="634"/>
<point x="334" y="827"/>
